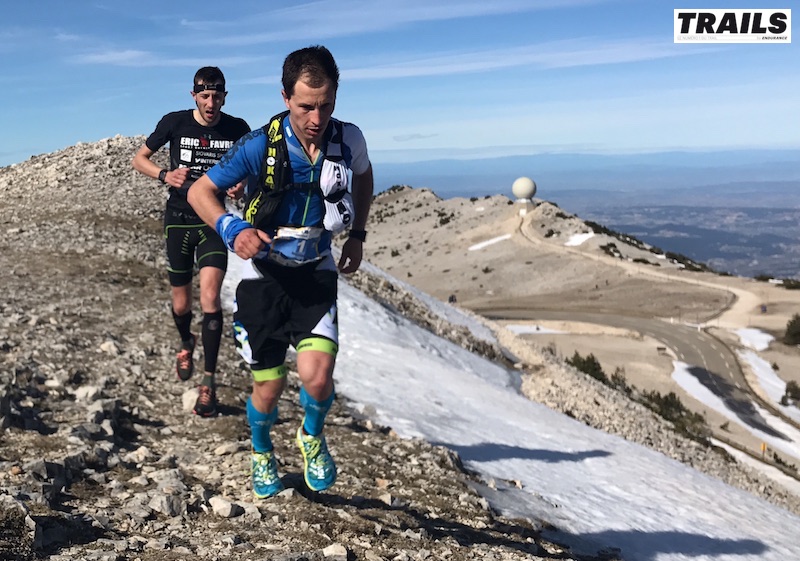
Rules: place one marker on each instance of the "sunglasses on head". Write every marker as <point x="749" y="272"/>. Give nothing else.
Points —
<point x="203" y="87"/>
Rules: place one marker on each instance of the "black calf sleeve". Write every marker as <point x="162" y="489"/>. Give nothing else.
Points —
<point x="184" y="325"/>
<point x="212" y="334"/>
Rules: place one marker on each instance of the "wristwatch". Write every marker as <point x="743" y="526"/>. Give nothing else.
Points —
<point x="360" y="235"/>
<point x="162" y="176"/>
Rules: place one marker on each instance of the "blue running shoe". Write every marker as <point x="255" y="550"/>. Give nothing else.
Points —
<point x="266" y="482"/>
<point x="319" y="470"/>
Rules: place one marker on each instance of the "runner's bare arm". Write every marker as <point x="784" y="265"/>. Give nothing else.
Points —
<point x="353" y="249"/>
<point x="363" y="188"/>
<point x="202" y="195"/>
<point x="239" y="236"/>
<point x="144" y="165"/>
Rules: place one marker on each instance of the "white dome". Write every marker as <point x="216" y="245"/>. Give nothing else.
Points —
<point x="523" y="188"/>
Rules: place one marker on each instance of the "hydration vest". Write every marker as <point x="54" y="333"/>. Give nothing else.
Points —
<point x="277" y="177"/>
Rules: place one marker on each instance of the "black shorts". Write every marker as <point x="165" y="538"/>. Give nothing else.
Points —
<point x="190" y="240"/>
<point x="286" y="306"/>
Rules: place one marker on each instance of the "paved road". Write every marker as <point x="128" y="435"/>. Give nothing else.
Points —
<point x="712" y="363"/>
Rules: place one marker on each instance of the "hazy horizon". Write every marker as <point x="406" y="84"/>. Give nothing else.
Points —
<point x="733" y="210"/>
<point x="574" y="171"/>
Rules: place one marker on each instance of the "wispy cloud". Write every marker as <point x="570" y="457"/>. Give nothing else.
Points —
<point x="13" y="39"/>
<point x="557" y="54"/>
<point x="332" y="18"/>
<point x="137" y="58"/>
<point x="410" y="137"/>
<point x="271" y="79"/>
<point x="118" y="58"/>
<point x="560" y="54"/>
<point x="30" y="39"/>
<point x="67" y="37"/>
<point x="12" y="34"/>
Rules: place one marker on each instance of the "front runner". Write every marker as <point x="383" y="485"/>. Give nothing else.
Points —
<point x="197" y="139"/>
<point x="302" y="159"/>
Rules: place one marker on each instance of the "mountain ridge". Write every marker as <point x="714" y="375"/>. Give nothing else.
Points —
<point x="93" y="414"/>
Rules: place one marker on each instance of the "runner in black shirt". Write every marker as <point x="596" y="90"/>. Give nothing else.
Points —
<point x="198" y="138"/>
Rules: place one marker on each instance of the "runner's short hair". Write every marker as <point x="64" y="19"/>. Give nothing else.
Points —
<point x="315" y="64"/>
<point x="209" y="75"/>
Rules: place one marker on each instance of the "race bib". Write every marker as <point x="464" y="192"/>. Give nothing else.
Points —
<point x="292" y="247"/>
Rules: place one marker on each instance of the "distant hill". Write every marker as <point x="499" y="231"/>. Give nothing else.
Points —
<point x="736" y="210"/>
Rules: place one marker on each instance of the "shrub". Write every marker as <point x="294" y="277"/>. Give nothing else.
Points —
<point x="589" y="365"/>
<point x="672" y="409"/>
<point x="611" y="249"/>
<point x="550" y="349"/>
<point x="778" y="460"/>
<point x="792" y="336"/>
<point x="793" y="390"/>
<point x="619" y="382"/>
<point x="692" y="425"/>
<point x="791" y="284"/>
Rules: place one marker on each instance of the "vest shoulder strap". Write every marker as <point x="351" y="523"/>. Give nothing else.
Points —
<point x="275" y="176"/>
<point x="276" y="170"/>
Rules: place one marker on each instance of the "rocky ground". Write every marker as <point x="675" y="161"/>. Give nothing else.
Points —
<point x="100" y="457"/>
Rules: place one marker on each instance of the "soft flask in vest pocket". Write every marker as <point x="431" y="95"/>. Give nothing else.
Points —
<point x="334" y="183"/>
<point x="339" y="215"/>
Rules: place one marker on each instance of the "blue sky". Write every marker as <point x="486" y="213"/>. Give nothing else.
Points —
<point x="422" y="79"/>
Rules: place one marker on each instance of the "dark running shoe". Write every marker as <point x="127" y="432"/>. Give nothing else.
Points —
<point x="185" y="362"/>
<point x="206" y="404"/>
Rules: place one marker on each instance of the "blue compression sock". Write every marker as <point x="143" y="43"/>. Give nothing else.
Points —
<point x="260" y="426"/>
<point x="315" y="411"/>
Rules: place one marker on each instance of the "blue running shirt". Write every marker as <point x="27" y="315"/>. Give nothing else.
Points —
<point x="298" y="207"/>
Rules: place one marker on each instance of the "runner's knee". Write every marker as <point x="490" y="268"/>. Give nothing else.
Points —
<point x="266" y="393"/>
<point x="210" y="301"/>
<point x="316" y="358"/>
<point x="182" y="299"/>
<point x="210" y="287"/>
